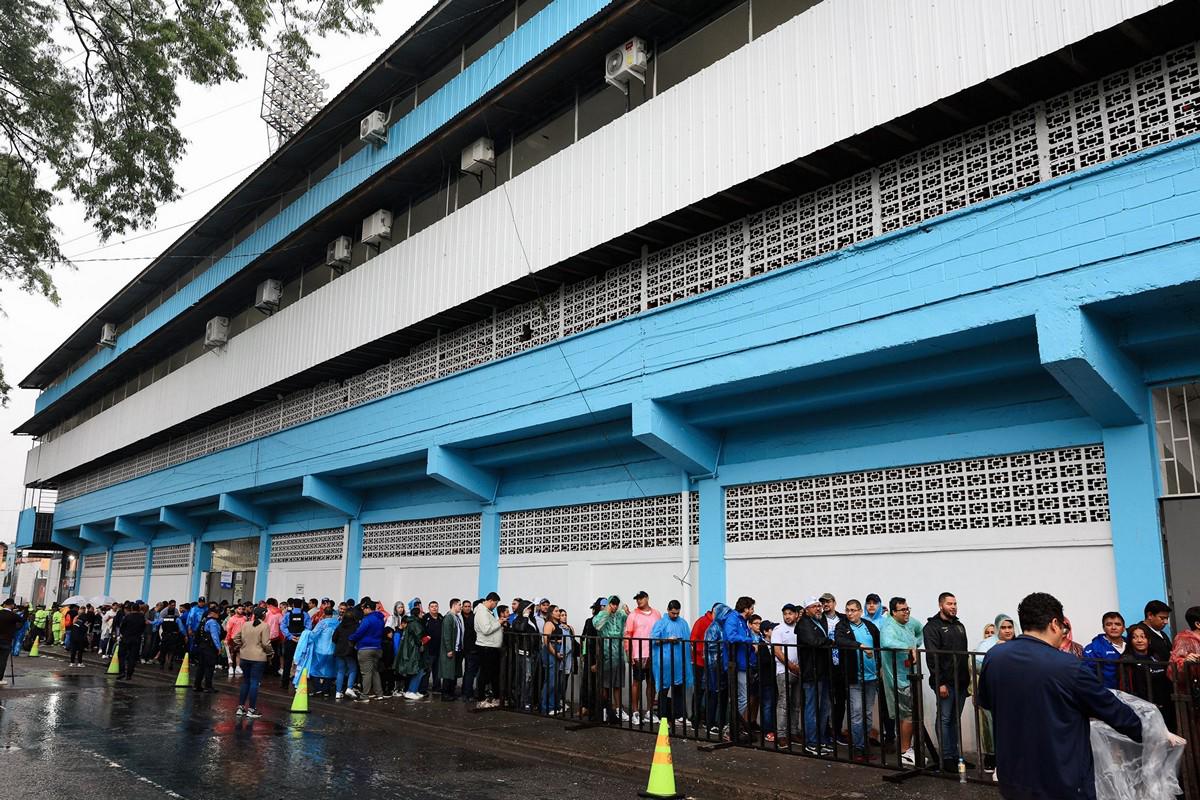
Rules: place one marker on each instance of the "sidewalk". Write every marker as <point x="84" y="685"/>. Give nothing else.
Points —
<point x="731" y="773"/>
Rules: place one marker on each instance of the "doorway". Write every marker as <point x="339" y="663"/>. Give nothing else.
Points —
<point x="230" y="586"/>
<point x="234" y="564"/>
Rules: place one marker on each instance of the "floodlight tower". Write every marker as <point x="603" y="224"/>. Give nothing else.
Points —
<point x="292" y="94"/>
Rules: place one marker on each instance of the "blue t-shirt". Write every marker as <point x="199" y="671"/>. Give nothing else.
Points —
<point x="863" y="634"/>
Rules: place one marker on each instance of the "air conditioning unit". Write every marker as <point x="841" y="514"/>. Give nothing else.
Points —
<point x="108" y="335"/>
<point x="478" y="155"/>
<point x="377" y="227"/>
<point x="337" y="254"/>
<point x="216" y="332"/>
<point x="373" y="128"/>
<point x="267" y="295"/>
<point x="628" y="61"/>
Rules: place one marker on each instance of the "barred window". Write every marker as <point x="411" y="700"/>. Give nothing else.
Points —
<point x="616" y="525"/>
<point x="94" y="563"/>
<point x="439" y="536"/>
<point x="129" y="560"/>
<point x="322" y="545"/>
<point x="176" y="556"/>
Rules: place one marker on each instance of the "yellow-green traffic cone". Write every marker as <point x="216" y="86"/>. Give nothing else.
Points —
<point x="300" y="701"/>
<point x="662" y="771"/>
<point x="182" y="681"/>
<point x="114" y="668"/>
<point x="33" y="651"/>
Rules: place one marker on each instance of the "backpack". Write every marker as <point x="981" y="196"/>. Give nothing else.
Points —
<point x="295" y="624"/>
<point x="714" y="638"/>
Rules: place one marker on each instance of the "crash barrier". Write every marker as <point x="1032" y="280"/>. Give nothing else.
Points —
<point x="865" y="706"/>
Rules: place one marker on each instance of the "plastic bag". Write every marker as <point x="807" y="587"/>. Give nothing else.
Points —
<point x="1126" y="770"/>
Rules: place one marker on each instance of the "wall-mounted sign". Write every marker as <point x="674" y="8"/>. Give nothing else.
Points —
<point x="227" y="580"/>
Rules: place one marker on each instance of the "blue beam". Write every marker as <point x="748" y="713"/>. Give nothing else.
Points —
<point x="451" y="469"/>
<point x="664" y="431"/>
<point x="91" y="533"/>
<point x="264" y="565"/>
<point x="711" y="552"/>
<point x="127" y="526"/>
<point x="108" y="558"/>
<point x="64" y="539"/>
<point x="1084" y="358"/>
<point x="1131" y="464"/>
<point x="243" y="510"/>
<point x="175" y="518"/>
<point x="145" y="598"/>
<point x="353" y="558"/>
<point x="325" y="492"/>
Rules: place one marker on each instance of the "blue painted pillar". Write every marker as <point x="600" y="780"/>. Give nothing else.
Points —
<point x="1136" y="529"/>
<point x="200" y="565"/>
<point x="354" y="540"/>
<point x="489" y="552"/>
<point x="712" y="545"/>
<point x="146" y="574"/>
<point x="264" y="564"/>
<point x="107" y="571"/>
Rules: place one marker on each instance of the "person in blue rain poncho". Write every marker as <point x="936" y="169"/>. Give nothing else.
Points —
<point x="670" y="657"/>
<point x="314" y="652"/>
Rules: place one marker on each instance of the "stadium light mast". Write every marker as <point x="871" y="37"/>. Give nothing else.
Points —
<point x="292" y="95"/>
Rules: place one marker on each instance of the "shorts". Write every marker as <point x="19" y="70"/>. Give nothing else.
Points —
<point x="900" y="703"/>
<point x="641" y="670"/>
<point x="612" y="673"/>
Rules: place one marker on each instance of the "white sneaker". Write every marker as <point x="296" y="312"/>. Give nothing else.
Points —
<point x="637" y="719"/>
<point x="909" y="757"/>
<point x="352" y="694"/>
<point x="413" y="696"/>
<point x="621" y="715"/>
<point x="339" y="696"/>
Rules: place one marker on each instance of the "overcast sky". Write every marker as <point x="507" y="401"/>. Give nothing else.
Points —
<point x="226" y="141"/>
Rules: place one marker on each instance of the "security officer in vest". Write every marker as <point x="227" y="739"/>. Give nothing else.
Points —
<point x="170" y="632"/>
<point x="207" y="643"/>
<point x="295" y="622"/>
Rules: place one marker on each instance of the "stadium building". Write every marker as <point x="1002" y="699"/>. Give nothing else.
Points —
<point x="707" y="298"/>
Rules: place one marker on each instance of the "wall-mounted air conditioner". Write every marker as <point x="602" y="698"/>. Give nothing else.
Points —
<point x="628" y="61"/>
<point x="478" y="156"/>
<point x="373" y="128"/>
<point x="268" y="295"/>
<point x="216" y="332"/>
<point x="377" y="227"/>
<point x="337" y="254"/>
<point x="108" y="335"/>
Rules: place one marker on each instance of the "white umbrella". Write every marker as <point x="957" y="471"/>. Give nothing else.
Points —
<point x="102" y="600"/>
<point x="75" y="600"/>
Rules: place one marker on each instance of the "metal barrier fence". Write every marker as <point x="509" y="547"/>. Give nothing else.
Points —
<point x="878" y="707"/>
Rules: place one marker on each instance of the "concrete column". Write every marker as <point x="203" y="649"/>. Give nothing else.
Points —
<point x="353" y="560"/>
<point x="712" y="545"/>
<point x="146" y="573"/>
<point x="264" y="564"/>
<point x="108" y="570"/>
<point x="489" y="552"/>
<point x="201" y="563"/>
<point x="1129" y="455"/>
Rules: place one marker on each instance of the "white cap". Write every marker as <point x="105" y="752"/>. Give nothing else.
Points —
<point x="812" y="601"/>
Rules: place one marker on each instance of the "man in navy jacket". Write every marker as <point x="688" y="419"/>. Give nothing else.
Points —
<point x="1041" y="700"/>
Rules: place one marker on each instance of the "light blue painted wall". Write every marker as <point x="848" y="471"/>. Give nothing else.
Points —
<point x="974" y="278"/>
<point x="501" y="62"/>
<point x="25" y="525"/>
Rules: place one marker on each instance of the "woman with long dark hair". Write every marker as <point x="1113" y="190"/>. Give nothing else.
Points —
<point x="253" y="641"/>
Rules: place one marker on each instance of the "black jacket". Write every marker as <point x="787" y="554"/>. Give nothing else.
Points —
<point x="342" y="646"/>
<point x="851" y="653"/>
<point x="947" y="670"/>
<point x="1041" y="700"/>
<point x="133" y="626"/>
<point x="469" y="633"/>
<point x="816" y="649"/>
<point x="10" y="623"/>
<point x="1160" y="643"/>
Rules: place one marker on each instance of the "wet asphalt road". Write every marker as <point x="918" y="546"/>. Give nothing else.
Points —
<point x="67" y="732"/>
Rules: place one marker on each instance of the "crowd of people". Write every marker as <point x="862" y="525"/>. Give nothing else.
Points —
<point x="820" y="677"/>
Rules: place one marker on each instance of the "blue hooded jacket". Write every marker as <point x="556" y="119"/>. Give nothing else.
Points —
<point x="741" y="640"/>
<point x="369" y="635"/>
<point x="1100" y="647"/>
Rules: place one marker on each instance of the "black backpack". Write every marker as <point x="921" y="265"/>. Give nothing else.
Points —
<point x="295" y="622"/>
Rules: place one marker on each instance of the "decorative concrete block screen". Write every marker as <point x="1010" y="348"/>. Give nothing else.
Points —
<point x="176" y="556"/>
<point x="322" y="545"/>
<point x="616" y="525"/>
<point x="439" y="536"/>
<point x="129" y="560"/>
<point x="1154" y="102"/>
<point x="1049" y="487"/>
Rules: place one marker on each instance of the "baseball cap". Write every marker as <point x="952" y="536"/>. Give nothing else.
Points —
<point x="788" y="607"/>
<point x="812" y="601"/>
<point x="600" y="602"/>
<point x="543" y="600"/>
<point x="874" y="598"/>
<point x="826" y="596"/>
<point x="767" y="625"/>
<point x="641" y="594"/>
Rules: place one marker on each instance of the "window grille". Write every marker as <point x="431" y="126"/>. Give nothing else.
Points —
<point x="617" y="525"/>
<point x="1153" y="102"/>
<point x="175" y="556"/>
<point x="439" y="536"/>
<point x="235" y="554"/>
<point x="129" y="560"/>
<point x="1048" y="487"/>
<point x="1177" y="423"/>
<point x="322" y="545"/>
<point x="93" y="563"/>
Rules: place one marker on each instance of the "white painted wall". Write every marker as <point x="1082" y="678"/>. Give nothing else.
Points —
<point x="125" y="586"/>
<point x="319" y="578"/>
<point x="168" y="584"/>
<point x="988" y="571"/>
<point x="91" y="585"/>
<point x="839" y="69"/>
<point x="392" y="580"/>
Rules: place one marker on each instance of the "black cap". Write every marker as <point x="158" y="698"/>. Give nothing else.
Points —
<point x="767" y="625"/>
<point x="788" y="607"/>
<point x="641" y="594"/>
<point x="874" y="598"/>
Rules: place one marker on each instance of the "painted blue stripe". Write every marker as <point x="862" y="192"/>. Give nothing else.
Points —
<point x="497" y="65"/>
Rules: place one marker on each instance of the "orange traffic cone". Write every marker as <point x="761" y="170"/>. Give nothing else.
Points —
<point x="662" y="771"/>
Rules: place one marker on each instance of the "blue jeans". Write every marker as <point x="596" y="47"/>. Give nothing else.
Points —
<point x="817" y="710"/>
<point x="550" y="673"/>
<point x="743" y="692"/>
<point x="347" y="672"/>
<point x="862" y="702"/>
<point x="252" y="672"/>
<point x="414" y="682"/>
<point x="950" y="710"/>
